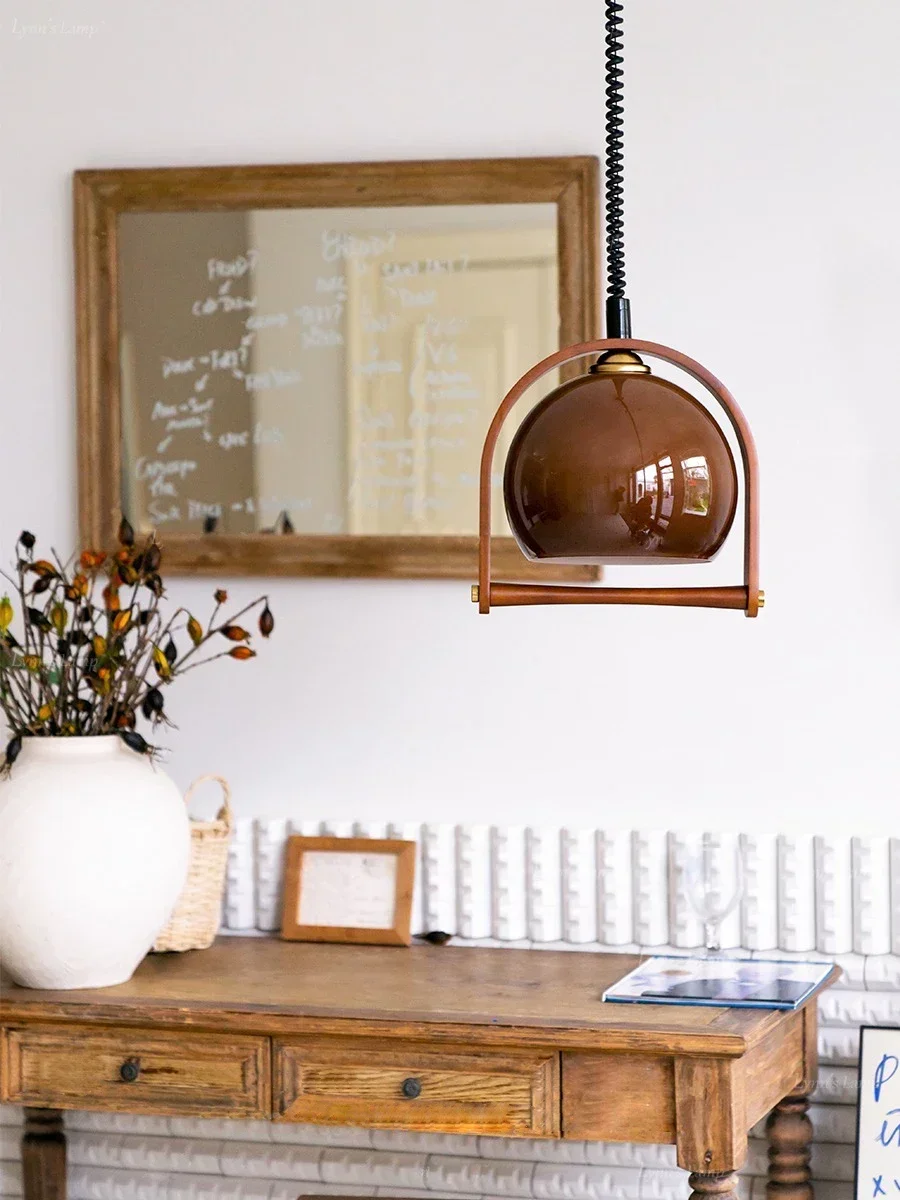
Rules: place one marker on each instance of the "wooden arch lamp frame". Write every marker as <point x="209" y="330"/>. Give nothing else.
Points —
<point x="745" y="596"/>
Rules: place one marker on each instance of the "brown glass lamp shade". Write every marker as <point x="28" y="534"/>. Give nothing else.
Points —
<point x="619" y="464"/>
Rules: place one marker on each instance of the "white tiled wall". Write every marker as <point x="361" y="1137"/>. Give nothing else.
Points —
<point x="575" y="889"/>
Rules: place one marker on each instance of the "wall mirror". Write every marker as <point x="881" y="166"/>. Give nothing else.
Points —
<point x="290" y="370"/>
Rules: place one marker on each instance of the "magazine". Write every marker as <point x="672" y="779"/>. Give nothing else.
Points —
<point x="720" y="982"/>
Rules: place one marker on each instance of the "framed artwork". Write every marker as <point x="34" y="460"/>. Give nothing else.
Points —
<point x="290" y="370"/>
<point x="348" y="890"/>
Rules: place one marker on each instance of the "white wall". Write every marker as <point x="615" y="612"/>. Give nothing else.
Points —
<point x="763" y="191"/>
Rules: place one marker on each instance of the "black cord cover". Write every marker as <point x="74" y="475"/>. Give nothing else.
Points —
<point x="618" y="312"/>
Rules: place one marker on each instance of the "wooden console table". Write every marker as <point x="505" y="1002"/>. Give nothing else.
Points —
<point x="506" y="1042"/>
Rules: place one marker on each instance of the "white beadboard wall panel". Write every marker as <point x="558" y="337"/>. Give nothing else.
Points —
<point x="426" y="1143"/>
<point x="882" y="973"/>
<point x="837" y="1085"/>
<point x="270" y="839"/>
<point x="853" y="972"/>
<point x="557" y="1182"/>
<point x="471" y="1176"/>
<point x="650" y="887"/>
<point x="332" y="828"/>
<point x="187" y="1127"/>
<point x="306" y="828"/>
<point x="624" y="1154"/>
<point x="871" y="896"/>
<point x="894" y="860"/>
<point x="726" y="883"/>
<point x="533" y="1149"/>
<point x="370" y="829"/>
<point x="670" y="1185"/>
<point x="685" y="927"/>
<point x="759" y="908"/>
<point x="834" y="1123"/>
<point x="543" y="888"/>
<point x="319" y="1135"/>
<point x="615" y="916"/>
<point x="439" y="879"/>
<point x="473" y="881"/>
<point x="408" y="831"/>
<point x="507" y="893"/>
<point x="367" y="1167"/>
<point x="838" y="1046"/>
<point x="239" y="910"/>
<point x="10" y="1177"/>
<point x="578" y="866"/>
<point x="796" y="894"/>
<point x="859" y="1008"/>
<point x="833" y="895"/>
<point x="262" y="1160"/>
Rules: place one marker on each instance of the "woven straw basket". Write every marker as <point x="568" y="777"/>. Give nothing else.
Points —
<point x="195" y="922"/>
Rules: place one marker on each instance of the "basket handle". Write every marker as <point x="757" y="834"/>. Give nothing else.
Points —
<point x="225" y="813"/>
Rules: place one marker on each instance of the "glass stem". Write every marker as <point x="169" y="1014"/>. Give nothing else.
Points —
<point x="711" y="937"/>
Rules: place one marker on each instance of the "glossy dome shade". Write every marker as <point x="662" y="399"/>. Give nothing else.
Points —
<point x="619" y="464"/>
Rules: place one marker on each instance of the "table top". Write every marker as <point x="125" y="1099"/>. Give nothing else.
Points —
<point x="268" y="986"/>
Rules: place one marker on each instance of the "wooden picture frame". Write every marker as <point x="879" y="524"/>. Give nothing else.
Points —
<point x="385" y="898"/>
<point x="101" y="197"/>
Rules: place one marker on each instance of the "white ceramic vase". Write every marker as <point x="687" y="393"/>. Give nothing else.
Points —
<point x="94" y="846"/>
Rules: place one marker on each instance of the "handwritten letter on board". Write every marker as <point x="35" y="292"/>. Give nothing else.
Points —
<point x="878" y="1140"/>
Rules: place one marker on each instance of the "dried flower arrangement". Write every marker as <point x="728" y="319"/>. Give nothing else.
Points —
<point x="95" y="650"/>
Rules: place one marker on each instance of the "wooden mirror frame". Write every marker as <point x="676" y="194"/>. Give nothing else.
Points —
<point x="100" y="196"/>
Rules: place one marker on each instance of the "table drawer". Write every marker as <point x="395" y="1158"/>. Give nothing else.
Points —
<point x="408" y="1085"/>
<point x="135" y="1070"/>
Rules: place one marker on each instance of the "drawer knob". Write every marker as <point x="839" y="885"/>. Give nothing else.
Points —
<point x="129" y="1070"/>
<point x="411" y="1088"/>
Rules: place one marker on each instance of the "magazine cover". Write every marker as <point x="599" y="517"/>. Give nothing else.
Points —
<point x="720" y="982"/>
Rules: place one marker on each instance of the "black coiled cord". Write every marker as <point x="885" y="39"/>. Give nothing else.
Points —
<point x="618" y="316"/>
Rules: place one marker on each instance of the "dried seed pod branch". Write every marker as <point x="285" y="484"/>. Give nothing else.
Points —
<point x="86" y="649"/>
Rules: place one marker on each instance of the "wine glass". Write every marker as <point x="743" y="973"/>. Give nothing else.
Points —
<point x="712" y="895"/>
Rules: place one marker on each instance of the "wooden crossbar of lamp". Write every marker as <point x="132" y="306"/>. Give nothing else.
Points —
<point x="599" y="428"/>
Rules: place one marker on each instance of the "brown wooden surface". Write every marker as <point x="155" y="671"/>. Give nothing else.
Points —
<point x="571" y="183"/>
<point x="397" y="935"/>
<point x="348" y="1081"/>
<point x="724" y="1184"/>
<point x="44" y="1155"/>
<point x="710" y="1114"/>
<point x="775" y="1066"/>
<point x="618" y="1098"/>
<point x="264" y="985"/>
<point x="790" y="1134"/>
<point x="747" y="597"/>
<point x="366" y="556"/>
<point x="495" y="1042"/>
<point x="183" y="1073"/>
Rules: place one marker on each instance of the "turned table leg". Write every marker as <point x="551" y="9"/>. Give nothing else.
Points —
<point x="790" y="1134"/>
<point x="714" y="1185"/>
<point x="44" y="1155"/>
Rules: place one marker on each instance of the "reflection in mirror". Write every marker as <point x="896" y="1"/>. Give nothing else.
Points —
<point x="328" y="371"/>
<point x="620" y="467"/>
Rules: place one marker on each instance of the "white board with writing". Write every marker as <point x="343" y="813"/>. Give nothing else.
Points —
<point x="878" y="1133"/>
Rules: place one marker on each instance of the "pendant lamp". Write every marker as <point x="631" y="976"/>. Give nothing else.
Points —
<point x="619" y="464"/>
